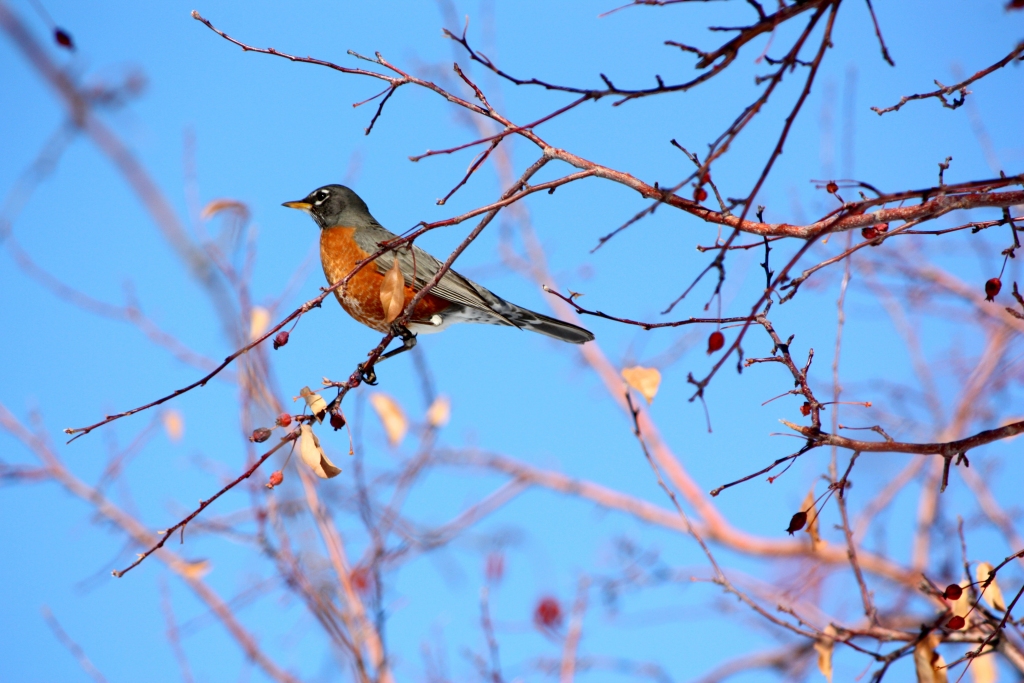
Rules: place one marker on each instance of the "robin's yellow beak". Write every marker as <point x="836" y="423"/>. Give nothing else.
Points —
<point x="302" y="206"/>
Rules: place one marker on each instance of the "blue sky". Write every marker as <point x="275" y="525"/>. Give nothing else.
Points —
<point x="215" y="122"/>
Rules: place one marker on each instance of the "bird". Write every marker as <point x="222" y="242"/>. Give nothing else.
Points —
<point x="350" y="234"/>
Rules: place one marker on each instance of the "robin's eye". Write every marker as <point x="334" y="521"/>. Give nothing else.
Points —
<point x="321" y="196"/>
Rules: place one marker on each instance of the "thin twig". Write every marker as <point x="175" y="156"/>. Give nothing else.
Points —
<point x="961" y="87"/>
<point x="169" y="531"/>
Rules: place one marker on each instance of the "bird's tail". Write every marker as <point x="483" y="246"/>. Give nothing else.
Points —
<point x="526" y="319"/>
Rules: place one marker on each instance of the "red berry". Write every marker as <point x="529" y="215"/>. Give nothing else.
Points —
<point x="548" y="613"/>
<point x="705" y="177"/>
<point x="715" y="342"/>
<point x="805" y="409"/>
<point x="337" y="420"/>
<point x="832" y="188"/>
<point x="283" y="420"/>
<point x="953" y="592"/>
<point x="281" y="339"/>
<point x="956" y="623"/>
<point x="797" y="522"/>
<point x="63" y="38"/>
<point x="361" y="579"/>
<point x="260" y="434"/>
<point x="992" y="288"/>
<point x="700" y="194"/>
<point x="874" y="231"/>
<point x="276" y="478"/>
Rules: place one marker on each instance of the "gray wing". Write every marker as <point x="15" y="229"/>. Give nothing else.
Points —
<point x="419" y="268"/>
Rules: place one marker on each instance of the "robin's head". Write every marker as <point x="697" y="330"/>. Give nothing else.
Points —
<point x="332" y="205"/>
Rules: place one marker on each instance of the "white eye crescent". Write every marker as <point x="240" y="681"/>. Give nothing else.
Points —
<point x="322" y="196"/>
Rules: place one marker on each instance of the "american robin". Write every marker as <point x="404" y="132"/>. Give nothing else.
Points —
<point x="349" y="234"/>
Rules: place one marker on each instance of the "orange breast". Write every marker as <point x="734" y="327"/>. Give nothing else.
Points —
<point x="339" y="254"/>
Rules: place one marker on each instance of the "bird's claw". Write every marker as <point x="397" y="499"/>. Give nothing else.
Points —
<point x="368" y="374"/>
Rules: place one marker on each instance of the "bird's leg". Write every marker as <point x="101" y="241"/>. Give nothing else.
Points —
<point x="408" y="342"/>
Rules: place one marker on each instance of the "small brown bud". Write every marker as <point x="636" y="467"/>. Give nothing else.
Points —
<point x="337" y="420"/>
<point x="281" y="339"/>
<point x="953" y="591"/>
<point x="259" y="435"/>
<point x="715" y="342"/>
<point x="283" y="420"/>
<point x="797" y="522"/>
<point x="805" y="409"/>
<point x="494" y="568"/>
<point x="956" y="623"/>
<point x="992" y="288"/>
<point x="276" y="478"/>
<point x="63" y="38"/>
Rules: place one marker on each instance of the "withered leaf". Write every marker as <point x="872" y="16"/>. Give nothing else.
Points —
<point x="993" y="595"/>
<point x="317" y="404"/>
<point x="644" y="380"/>
<point x="313" y="455"/>
<point x="439" y="412"/>
<point x="218" y="205"/>
<point x="812" y="520"/>
<point x="391" y="416"/>
<point x="983" y="668"/>
<point x="824" y="646"/>
<point x="259" y="318"/>
<point x="174" y="424"/>
<point x="392" y="293"/>
<point x="929" y="664"/>
<point x="194" y="570"/>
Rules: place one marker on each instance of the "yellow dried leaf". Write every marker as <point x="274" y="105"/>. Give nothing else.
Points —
<point x="195" y="570"/>
<point x="644" y="380"/>
<point x="218" y="205"/>
<point x="259" y="318"/>
<point x="813" y="515"/>
<point x="391" y="416"/>
<point x="983" y="668"/>
<point x="317" y="404"/>
<point x="993" y="595"/>
<point x="174" y="424"/>
<point x="313" y="455"/>
<point x="439" y="412"/>
<point x="392" y="292"/>
<point x="824" y="646"/>
<point x="939" y="666"/>
<point x="929" y="664"/>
